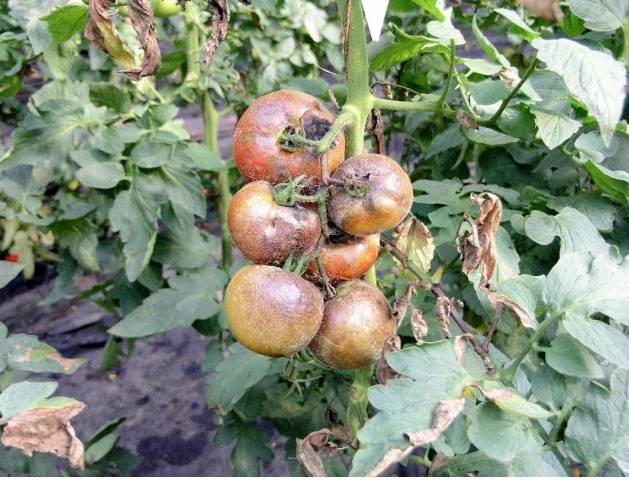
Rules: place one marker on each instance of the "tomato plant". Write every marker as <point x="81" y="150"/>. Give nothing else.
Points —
<point x="487" y="217"/>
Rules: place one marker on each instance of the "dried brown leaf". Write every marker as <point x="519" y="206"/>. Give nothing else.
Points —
<point x="384" y="372"/>
<point x="415" y="241"/>
<point x="220" y="27"/>
<point x="508" y="77"/>
<point x="307" y="449"/>
<point x="418" y="324"/>
<point x="440" y="460"/>
<point x="376" y="131"/>
<point x="444" y="308"/>
<point x="466" y="119"/>
<point x="460" y="345"/>
<point x="47" y="430"/>
<point x="479" y="246"/>
<point x="141" y="15"/>
<point x="102" y="32"/>
<point x="500" y="302"/>
<point x="445" y="412"/>
<point x="401" y="304"/>
<point x="548" y="9"/>
<point x="496" y="393"/>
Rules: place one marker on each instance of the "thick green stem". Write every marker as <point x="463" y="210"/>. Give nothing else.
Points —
<point x="359" y="98"/>
<point x="210" y="130"/>
<point x="559" y="421"/>
<point x="193" y="43"/>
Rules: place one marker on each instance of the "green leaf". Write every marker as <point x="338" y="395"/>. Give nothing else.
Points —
<point x="183" y="246"/>
<point x="23" y="395"/>
<point x="238" y="372"/>
<point x="444" y="30"/>
<point x="487" y="136"/>
<point x="477" y="464"/>
<point x="150" y="154"/>
<point x="66" y="21"/>
<point x="103" y="175"/>
<point x="553" y="127"/>
<point x="549" y="387"/>
<point x="525" y="291"/>
<point x="569" y="357"/>
<point x="599" y="429"/>
<point x="522" y="28"/>
<point x="594" y="77"/>
<point x="600" y="15"/>
<point x="249" y="450"/>
<point x="407" y="404"/>
<point x="576" y="232"/>
<point x="451" y="137"/>
<point x="480" y="66"/>
<point x="580" y="285"/>
<point x="598" y="209"/>
<point x="500" y="435"/>
<point x="187" y="299"/>
<point x="110" y="96"/>
<point x="134" y="214"/>
<point x="488" y="47"/>
<point x="80" y="237"/>
<point x="398" y="52"/>
<point x="8" y="271"/>
<point x="204" y="159"/>
<point x="184" y="190"/>
<point x="432" y="7"/>
<point x="27" y="353"/>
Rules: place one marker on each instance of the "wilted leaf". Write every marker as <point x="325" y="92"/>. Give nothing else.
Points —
<point x="444" y="308"/>
<point x="307" y="455"/>
<point x="548" y="9"/>
<point x="102" y="32"/>
<point x="519" y="314"/>
<point x="384" y="372"/>
<point x="141" y="15"/>
<point x="419" y="326"/>
<point x="445" y="412"/>
<point x="479" y="246"/>
<point x="220" y="27"/>
<point x="415" y="240"/>
<point x="466" y="119"/>
<point x="511" y="402"/>
<point x="47" y="429"/>
<point x="401" y="305"/>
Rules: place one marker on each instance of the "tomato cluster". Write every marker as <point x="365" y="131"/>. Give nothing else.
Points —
<point x="275" y="311"/>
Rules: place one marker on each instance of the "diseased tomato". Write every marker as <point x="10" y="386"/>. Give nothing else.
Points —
<point x="356" y="324"/>
<point x="267" y="232"/>
<point x="348" y="259"/>
<point x="388" y="200"/>
<point x="258" y="152"/>
<point x="272" y="312"/>
<point x="165" y="8"/>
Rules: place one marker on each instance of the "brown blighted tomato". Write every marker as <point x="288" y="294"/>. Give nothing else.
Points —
<point x="272" y="312"/>
<point x="267" y="232"/>
<point x="356" y="324"/>
<point x="388" y="199"/>
<point x="258" y="151"/>
<point x="347" y="259"/>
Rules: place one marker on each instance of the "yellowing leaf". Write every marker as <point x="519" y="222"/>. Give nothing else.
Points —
<point x="415" y="240"/>
<point x="102" y="32"/>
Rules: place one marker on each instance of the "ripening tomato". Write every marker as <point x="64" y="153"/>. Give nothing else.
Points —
<point x="347" y="259"/>
<point x="267" y="232"/>
<point x="12" y="257"/>
<point x="165" y="8"/>
<point x="388" y="199"/>
<point x="258" y="151"/>
<point x="356" y="324"/>
<point x="271" y="311"/>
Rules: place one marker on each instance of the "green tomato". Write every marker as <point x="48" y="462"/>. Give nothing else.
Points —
<point x="165" y="8"/>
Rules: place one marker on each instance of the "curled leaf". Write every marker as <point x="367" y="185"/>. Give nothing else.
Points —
<point x="445" y="412"/>
<point x="47" y="430"/>
<point x="509" y="77"/>
<point x="444" y="308"/>
<point x="220" y="27"/>
<point x="102" y="32"/>
<point x="418" y="324"/>
<point x="415" y="241"/>
<point x="384" y="372"/>
<point x="500" y="302"/>
<point x="479" y="245"/>
<point x="375" y="127"/>
<point x="310" y="458"/>
<point x="401" y="304"/>
<point x="548" y="9"/>
<point x="141" y="15"/>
